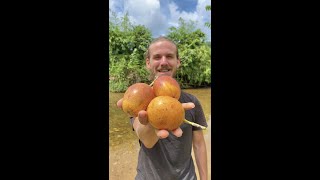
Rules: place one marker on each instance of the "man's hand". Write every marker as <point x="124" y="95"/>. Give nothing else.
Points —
<point x="143" y="119"/>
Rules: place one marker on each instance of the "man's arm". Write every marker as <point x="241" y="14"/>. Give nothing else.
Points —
<point x="200" y="152"/>
<point x="145" y="133"/>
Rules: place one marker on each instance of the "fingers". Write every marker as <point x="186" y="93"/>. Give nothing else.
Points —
<point x="143" y="117"/>
<point x="177" y="132"/>
<point x="188" y="106"/>
<point x="119" y="103"/>
<point x="162" y="133"/>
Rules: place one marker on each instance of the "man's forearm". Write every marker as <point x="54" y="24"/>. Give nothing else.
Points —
<point x="145" y="133"/>
<point x="201" y="160"/>
<point x="200" y="152"/>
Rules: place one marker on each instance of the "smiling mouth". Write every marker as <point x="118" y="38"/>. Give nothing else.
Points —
<point x="164" y="70"/>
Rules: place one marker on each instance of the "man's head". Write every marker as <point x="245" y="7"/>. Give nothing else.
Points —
<point x="162" y="57"/>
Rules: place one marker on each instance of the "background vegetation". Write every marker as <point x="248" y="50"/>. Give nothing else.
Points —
<point x="128" y="43"/>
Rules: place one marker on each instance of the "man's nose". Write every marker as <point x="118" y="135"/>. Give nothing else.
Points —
<point x="163" y="61"/>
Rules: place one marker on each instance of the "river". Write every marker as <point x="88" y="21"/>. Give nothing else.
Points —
<point x="123" y="142"/>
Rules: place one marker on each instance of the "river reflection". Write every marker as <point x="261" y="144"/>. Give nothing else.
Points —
<point x="120" y="129"/>
<point x="123" y="143"/>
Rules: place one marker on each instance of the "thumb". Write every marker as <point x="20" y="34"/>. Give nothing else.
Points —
<point x="119" y="103"/>
<point x="188" y="106"/>
<point x="143" y="117"/>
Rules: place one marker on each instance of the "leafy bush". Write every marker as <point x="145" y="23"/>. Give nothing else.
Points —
<point x="195" y="55"/>
<point x="128" y="43"/>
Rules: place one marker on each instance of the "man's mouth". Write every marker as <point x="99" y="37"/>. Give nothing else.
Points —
<point x="163" y="70"/>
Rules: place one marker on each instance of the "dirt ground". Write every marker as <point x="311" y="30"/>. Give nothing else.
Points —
<point x="123" y="161"/>
<point x="123" y="158"/>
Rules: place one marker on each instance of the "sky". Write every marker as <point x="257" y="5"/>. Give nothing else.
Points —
<point x="159" y="15"/>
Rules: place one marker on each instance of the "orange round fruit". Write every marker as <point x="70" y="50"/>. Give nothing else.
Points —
<point x="166" y="86"/>
<point x="136" y="98"/>
<point x="165" y="112"/>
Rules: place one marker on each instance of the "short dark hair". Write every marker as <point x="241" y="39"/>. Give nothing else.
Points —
<point x="161" y="38"/>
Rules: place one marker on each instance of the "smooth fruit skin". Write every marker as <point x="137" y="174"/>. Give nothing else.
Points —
<point x="165" y="112"/>
<point x="166" y="86"/>
<point x="136" y="98"/>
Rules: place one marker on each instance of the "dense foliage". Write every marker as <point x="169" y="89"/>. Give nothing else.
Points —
<point x="128" y="43"/>
<point x="195" y="55"/>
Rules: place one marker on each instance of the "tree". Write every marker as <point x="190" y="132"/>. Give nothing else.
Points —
<point x="127" y="44"/>
<point x="195" y="55"/>
<point x="208" y="8"/>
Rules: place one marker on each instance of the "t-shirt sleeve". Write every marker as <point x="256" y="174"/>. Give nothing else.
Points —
<point x="199" y="115"/>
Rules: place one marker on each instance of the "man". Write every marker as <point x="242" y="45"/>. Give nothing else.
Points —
<point x="167" y="155"/>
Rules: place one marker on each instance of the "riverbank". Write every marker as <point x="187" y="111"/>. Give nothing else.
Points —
<point x="123" y="161"/>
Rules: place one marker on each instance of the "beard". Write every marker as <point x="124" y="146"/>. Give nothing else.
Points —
<point x="152" y="74"/>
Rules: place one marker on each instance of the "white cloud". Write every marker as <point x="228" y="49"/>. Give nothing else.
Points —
<point x="149" y="14"/>
<point x="200" y="15"/>
<point x="142" y="7"/>
<point x="175" y="14"/>
<point x="116" y="6"/>
<point x="111" y="4"/>
<point x="146" y="12"/>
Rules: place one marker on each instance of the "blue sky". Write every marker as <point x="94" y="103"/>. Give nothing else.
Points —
<point x="159" y="15"/>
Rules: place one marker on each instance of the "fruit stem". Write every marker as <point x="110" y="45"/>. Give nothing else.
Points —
<point x="194" y="124"/>
<point x="153" y="81"/>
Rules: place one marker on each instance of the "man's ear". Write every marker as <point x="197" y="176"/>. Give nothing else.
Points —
<point x="178" y="64"/>
<point x="148" y="63"/>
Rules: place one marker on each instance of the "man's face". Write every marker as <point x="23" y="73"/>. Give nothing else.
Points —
<point x="162" y="59"/>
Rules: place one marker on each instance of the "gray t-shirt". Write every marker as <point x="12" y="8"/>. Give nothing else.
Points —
<point x="170" y="158"/>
